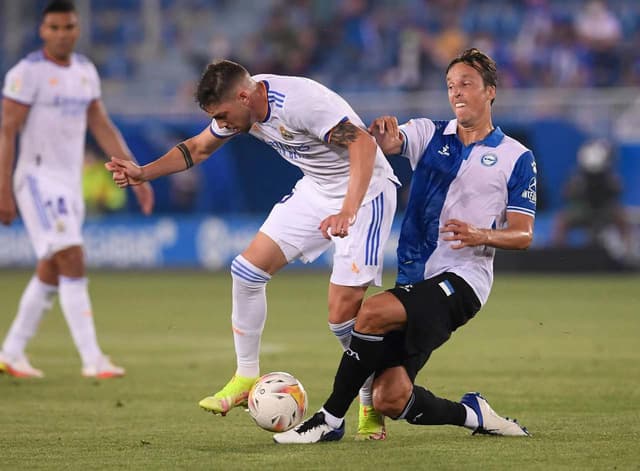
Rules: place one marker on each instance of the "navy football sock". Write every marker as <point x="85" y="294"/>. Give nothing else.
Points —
<point x="358" y="362"/>
<point x="424" y="408"/>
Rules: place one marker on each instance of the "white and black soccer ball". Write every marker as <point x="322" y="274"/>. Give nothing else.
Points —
<point x="277" y="402"/>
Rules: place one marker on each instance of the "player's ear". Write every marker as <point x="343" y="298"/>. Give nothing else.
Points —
<point x="243" y="96"/>
<point x="491" y="90"/>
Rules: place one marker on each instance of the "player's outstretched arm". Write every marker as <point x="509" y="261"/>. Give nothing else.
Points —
<point x="387" y="133"/>
<point x="14" y="115"/>
<point x="516" y="236"/>
<point x="183" y="156"/>
<point x="362" y="155"/>
<point x="112" y="143"/>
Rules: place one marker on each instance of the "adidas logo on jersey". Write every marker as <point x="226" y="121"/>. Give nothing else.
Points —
<point x="444" y="150"/>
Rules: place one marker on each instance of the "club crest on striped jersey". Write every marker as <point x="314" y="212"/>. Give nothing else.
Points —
<point x="489" y="160"/>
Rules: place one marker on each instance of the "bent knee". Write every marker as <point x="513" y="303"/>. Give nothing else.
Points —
<point x="244" y="272"/>
<point x="391" y="400"/>
<point x="369" y="319"/>
<point x="70" y="261"/>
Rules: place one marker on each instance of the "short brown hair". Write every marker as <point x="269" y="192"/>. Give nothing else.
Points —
<point x="217" y="81"/>
<point x="484" y="64"/>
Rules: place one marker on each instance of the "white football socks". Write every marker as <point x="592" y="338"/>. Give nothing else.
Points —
<point x="331" y="420"/>
<point x="76" y="307"/>
<point x="343" y="332"/>
<point x="249" y="313"/>
<point x="472" y="418"/>
<point x="36" y="299"/>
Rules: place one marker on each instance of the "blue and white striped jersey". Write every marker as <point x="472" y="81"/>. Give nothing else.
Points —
<point x="477" y="184"/>
<point x="302" y="112"/>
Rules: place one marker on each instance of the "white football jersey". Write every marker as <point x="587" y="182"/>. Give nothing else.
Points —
<point x="302" y="112"/>
<point x="53" y="139"/>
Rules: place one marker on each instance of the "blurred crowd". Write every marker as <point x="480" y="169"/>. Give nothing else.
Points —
<point x="153" y="51"/>
<point x="161" y="46"/>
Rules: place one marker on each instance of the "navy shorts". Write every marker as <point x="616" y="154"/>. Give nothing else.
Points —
<point x="435" y="308"/>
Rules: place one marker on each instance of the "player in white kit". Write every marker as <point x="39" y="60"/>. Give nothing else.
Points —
<point x="473" y="190"/>
<point x="347" y="197"/>
<point x="49" y="98"/>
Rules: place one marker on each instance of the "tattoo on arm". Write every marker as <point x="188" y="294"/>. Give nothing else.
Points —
<point x="344" y="134"/>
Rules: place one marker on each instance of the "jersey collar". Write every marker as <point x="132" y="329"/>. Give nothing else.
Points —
<point x="493" y="139"/>
<point x="55" y="61"/>
<point x="266" y="86"/>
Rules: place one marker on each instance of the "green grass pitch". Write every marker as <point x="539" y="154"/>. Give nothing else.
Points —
<point x="562" y="354"/>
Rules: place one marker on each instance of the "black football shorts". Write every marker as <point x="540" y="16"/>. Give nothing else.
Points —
<point x="435" y="308"/>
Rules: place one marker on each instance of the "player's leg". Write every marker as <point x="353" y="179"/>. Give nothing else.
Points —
<point x="397" y="397"/>
<point x="250" y="273"/>
<point x="267" y="253"/>
<point x="76" y="307"/>
<point x="435" y="308"/>
<point x="344" y="301"/>
<point x="358" y="263"/>
<point x="36" y="299"/>
<point x="32" y="198"/>
<point x="64" y="207"/>
<point x="379" y="314"/>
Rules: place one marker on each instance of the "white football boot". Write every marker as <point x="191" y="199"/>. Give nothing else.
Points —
<point x="18" y="367"/>
<point x="313" y="430"/>
<point x="103" y="369"/>
<point x="490" y="423"/>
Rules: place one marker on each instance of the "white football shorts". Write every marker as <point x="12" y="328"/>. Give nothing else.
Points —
<point x="293" y="224"/>
<point x="52" y="213"/>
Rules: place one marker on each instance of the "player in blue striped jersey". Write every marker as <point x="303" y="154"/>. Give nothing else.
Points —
<point x="473" y="190"/>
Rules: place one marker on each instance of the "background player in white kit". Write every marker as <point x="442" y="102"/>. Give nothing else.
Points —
<point x="473" y="190"/>
<point x="347" y="197"/>
<point x="49" y="98"/>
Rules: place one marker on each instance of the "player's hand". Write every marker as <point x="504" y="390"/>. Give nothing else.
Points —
<point x="145" y="197"/>
<point x="463" y="234"/>
<point x="125" y="172"/>
<point x="337" y="225"/>
<point x="386" y="132"/>
<point x="8" y="210"/>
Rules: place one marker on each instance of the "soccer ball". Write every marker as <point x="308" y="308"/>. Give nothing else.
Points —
<point x="277" y="402"/>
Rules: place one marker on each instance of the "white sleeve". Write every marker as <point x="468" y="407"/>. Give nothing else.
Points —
<point x="97" y="92"/>
<point x="221" y="133"/>
<point x="20" y="84"/>
<point x="319" y="111"/>
<point x="417" y="133"/>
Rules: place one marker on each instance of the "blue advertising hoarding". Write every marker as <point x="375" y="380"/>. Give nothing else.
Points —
<point x="159" y="242"/>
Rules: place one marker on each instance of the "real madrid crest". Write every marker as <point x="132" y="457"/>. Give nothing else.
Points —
<point x="16" y="85"/>
<point x="286" y="134"/>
